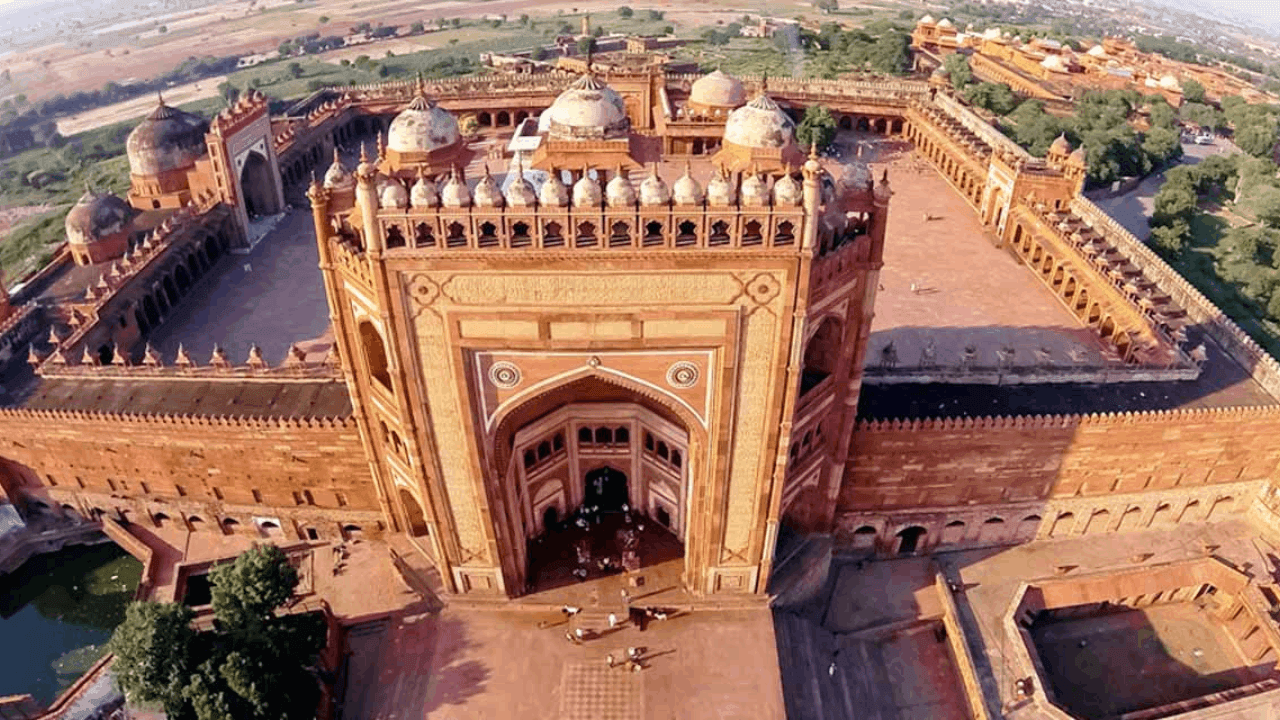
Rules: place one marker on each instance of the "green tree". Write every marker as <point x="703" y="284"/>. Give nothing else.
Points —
<point x="247" y="590"/>
<point x="285" y="49"/>
<point x="152" y="648"/>
<point x="995" y="97"/>
<point x="1257" y="136"/>
<point x="826" y="6"/>
<point x="655" y="15"/>
<point x="1170" y="240"/>
<point x="957" y="67"/>
<point x="1162" y="144"/>
<point x="625" y="12"/>
<point x="295" y="69"/>
<point x="891" y="53"/>
<point x="817" y="126"/>
<point x="586" y="45"/>
<point x="162" y="29"/>
<point x="1266" y="205"/>
<point x="324" y="19"/>
<point x="1192" y="91"/>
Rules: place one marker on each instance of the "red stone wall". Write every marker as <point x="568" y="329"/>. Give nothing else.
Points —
<point x="127" y="462"/>
<point x="958" y="462"/>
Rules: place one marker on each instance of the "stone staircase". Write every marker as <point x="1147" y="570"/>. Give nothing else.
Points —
<point x="801" y="572"/>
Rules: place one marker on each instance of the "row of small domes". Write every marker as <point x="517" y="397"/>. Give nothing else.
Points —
<point x="586" y="192"/>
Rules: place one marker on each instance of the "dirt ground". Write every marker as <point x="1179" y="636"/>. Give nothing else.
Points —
<point x="229" y="28"/>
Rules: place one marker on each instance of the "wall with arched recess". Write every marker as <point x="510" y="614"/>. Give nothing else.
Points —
<point x="1109" y="473"/>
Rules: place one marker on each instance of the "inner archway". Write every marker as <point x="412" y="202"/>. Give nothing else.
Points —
<point x="257" y="187"/>
<point x="606" y="488"/>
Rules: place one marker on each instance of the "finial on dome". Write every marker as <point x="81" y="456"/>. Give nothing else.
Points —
<point x="421" y="85"/>
<point x="813" y="150"/>
<point x="160" y="97"/>
<point x="364" y="153"/>
<point x="336" y="159"/>
<point x="382" y="145"/>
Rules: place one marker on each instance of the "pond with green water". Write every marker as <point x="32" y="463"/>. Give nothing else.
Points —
<point x="57" y="612"/>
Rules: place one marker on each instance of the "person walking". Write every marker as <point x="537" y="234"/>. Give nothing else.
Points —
<point x="609" y="659"/>
<point x="613" y="621"/>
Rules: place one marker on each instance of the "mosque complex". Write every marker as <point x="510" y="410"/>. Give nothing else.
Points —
<point x="892" y="431"/>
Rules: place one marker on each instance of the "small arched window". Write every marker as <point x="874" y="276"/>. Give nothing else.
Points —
<point x="584" y="436"/>
<point x="648" y="442"/>
<point x="663" y="451"/>
<point x="529" y="459"/>
<point x="375" y="354"/>
<point x="544" y="450"/>
<point x="557" y="442"/>
<point x="604" y="436"/>
<point x="622" y="436"/>
<point x="676" y="460"/>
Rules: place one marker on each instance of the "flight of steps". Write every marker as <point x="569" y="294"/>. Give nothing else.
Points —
<point x="802" y="570"/>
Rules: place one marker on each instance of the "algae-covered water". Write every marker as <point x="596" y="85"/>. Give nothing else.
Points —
<point x="57" y="613"/>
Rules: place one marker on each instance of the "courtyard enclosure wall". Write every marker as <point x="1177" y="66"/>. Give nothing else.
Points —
<point x="1052" y="476"/>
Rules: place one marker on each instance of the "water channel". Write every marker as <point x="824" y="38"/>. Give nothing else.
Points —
<point x="57" y="612"/>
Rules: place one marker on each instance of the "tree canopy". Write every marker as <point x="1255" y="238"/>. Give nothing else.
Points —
<point x="816" y="127"/>
<point x="254" y="665"/>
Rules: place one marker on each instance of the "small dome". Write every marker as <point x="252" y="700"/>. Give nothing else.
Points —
<point x="1077" y="157"/>
<point x="95" y="216"/>
<point x="991" y="34"/>
<point x="455" y="193"/>
<point x="686" y="191"/>
<point x="394" y="195"/>
<point x="487" y="193"/>
<point x="759" y="124"/>
<point x="1097" y="51"/>
<point x="519" y="191"/>
<point x="945" y="23"/>
<point x="1169" y="82"/>
<point x="720" y="191"/>
<point x="422" y="127"/>
<point x="423" y="193"/>
<point x="653" y="191"/>
<point x="337" y="177"/>
<point x="1053" y="62"/>
<point x="786" y="191"/>
<point x="553" y="193"/>
<point x="619" y="192"/>
<point x="588" y="110"/>
<point x="754" y="191"/>
<point x="586" y="192"/>
<point x="167" y="139"/>
<point x="718" y="90"/>
<point x="927" y="20"/>
<point x="1060" y="146"/>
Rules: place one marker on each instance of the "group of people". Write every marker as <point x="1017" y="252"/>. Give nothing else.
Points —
<point x="633" y="660"/>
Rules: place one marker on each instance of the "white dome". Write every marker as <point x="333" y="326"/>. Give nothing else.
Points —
<point x="653" y="191"/>
<point x="687" y="191"/>
<point x="587" y="110"/>
<point x="720" y="191"/>
<point x="786" y="191"/>
<point x="586" y="192"/>
<point x="1053" y="62"/>
<point x="337" y="177"/>
<point x="991" y="34"/>
<point x="553" y="193"/>
<point x="759" y="124"/>
<point x="754" y="191"/>
<point x="455" y="192"/>
<point x="619" y="192"/>
<point x="1169" y="82"/>
<point x="1098" y="51"/>
<point x="423" y="193"/>
<point x="487" y="193"/>
<point x="394" y="195"/>
<point x="520" y="192"/>
<point x="422" y="127"/>
<point x="927" y="20"/>
<point x="718" y="90"/>
<point x="945" y="23"/>
<point x="1151" y="83"/>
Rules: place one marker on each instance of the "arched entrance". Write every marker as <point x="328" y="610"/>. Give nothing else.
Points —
<point x="417" y="524"/>
<point x="257" y="187"/>
<point x="606" y="488"/>
<point x="909" y="540"/>
<point x="596" y="475"/>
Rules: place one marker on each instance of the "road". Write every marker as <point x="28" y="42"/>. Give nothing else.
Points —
<point x="1133" y="209"/>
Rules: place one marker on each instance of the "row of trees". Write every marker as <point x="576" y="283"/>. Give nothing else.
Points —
<point x="253" y="665"/>
<point x="882" y="47"/>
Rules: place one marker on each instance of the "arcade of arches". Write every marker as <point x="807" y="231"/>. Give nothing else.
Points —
<point x="257" y="186"/>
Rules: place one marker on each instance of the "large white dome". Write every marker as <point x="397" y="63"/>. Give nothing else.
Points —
<point x="759" y="124"/>
<point x="422" y="127"/>
<point x="718" y="90"/>
<point x="588" y="110"/>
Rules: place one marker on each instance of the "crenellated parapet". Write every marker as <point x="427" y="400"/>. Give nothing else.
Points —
<point x="159" y="420"/>
<point x="297" y="364"/>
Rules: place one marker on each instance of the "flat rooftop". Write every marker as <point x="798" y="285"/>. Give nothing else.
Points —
<point x="945" y="281"/>
<point x="232" y="397"/>
<point x="273" y="296"/>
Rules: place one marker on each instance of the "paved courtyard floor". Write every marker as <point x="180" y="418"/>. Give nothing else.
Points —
<point x="472" y="664"/>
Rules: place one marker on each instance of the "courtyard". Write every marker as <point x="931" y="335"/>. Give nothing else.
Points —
<point x="1108" y="665"/>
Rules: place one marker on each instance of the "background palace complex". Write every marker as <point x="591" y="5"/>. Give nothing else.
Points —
<point x="636" y="288"/>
